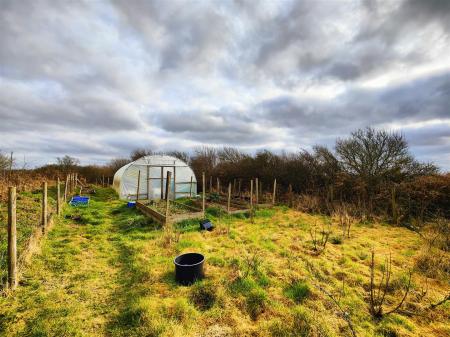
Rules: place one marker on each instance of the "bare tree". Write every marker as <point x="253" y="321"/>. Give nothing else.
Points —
<point x="139" y="153"/>
<point x="4" y="161"/>
<point x="67" y="163"/>
<point x="117" y="163"/>
<point x="373" y="156"/>
<point x="184" y="156"/>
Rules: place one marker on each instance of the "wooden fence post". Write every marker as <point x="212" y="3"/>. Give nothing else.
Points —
<point x="138" y="185"/>
<point x="190" y="189"/>
<point x="65" y="188"/>
<point x="44" y="206"/>
<point x="174" y="183"/>
<point x="203" y="194"/>
<point x="257" y="191"/>
<point x="251" y="200"/>
<point x="58" y="197"/>
<point x="169" y="174"/>
<point x="148" y="183"/>
<point x="260" y="190"/>
<point x="229" y="197"/>
<point x="274" y="190"/>
<point x="290" y="195"/>
<point x="12" y="239"/>
<point x="162" y="183"/>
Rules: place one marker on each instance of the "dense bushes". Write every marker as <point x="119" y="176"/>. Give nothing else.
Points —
<point x="371" y="171"/>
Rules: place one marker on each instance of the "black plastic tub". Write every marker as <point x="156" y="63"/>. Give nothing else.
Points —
<point x="189" y="268"/>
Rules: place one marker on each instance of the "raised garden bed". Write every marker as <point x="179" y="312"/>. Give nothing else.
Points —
<point x="236" y="205"/>
<point x="178" y="211"/>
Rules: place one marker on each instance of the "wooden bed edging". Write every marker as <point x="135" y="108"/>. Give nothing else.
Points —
<point x="160" y="218"/>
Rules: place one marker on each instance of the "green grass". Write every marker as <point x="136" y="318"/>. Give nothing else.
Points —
<point x="298" y="291"/>
<point x="107" y="270"/>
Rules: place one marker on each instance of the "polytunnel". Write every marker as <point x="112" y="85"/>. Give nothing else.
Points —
<point x="150" y="172"/>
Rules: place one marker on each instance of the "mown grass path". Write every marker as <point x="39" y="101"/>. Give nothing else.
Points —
<point x="77" y="285"/>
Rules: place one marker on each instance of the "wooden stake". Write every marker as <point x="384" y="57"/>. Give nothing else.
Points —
<point x="58" y="197"/>
<point x="257" y="191"/>
<point x="190" y="188"/>
<point x="12" y="239"/>
<point x="162" y="183"/>
<point x="44" y="206"/>
<point x="66" y="186"/>
<point x="174" y="183"/>
<point x="260" y="190"/>
<point x="148" y="182"/>
<point x="274" y="191"/>
<point x="229" y="197"/>
<point x="290" y="195"/>
<point x="203" y="192"/>
<point x="251" y="200"/>
<point x="167" y="194"/>
<point x="138" y="185"/>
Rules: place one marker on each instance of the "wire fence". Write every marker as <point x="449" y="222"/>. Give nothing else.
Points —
<point x="29" y="215"/>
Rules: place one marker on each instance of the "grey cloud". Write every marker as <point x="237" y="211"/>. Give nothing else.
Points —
<point x="420" y="100"/>
<point x="217" y="127"/>
<point x="99" y="69"/>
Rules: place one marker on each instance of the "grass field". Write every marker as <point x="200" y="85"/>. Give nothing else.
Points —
<point x="108" y="271"/>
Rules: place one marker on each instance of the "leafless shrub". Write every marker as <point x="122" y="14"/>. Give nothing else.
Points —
<point x="345" y="221"/>
<point x="320" y="238"/>
<point x="377" y="293"/>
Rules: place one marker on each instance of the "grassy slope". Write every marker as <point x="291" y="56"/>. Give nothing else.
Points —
<point x="110" y="272"/>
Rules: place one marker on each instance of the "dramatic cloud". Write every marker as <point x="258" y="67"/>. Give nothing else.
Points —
<point x="97" y="79"/>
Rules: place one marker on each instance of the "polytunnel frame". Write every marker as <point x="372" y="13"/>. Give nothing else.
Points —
<point x="161" y="179"/>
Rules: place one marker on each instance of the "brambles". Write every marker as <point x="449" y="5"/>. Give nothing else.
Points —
<point x="377" y="294"/>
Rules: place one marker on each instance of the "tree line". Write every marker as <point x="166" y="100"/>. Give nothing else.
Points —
<point x="371" y="171"/>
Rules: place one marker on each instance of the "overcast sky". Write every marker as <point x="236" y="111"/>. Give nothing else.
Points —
<point x="95" y="79"/>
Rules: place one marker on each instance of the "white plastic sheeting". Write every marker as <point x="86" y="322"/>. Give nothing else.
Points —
<point x="151" y="168"/>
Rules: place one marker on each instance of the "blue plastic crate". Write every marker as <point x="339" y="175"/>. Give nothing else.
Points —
<point x="79" y="201"/>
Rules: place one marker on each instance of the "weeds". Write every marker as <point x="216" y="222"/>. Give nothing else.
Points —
<point x="256" y="303"/>
<point x="319" y="242"/>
